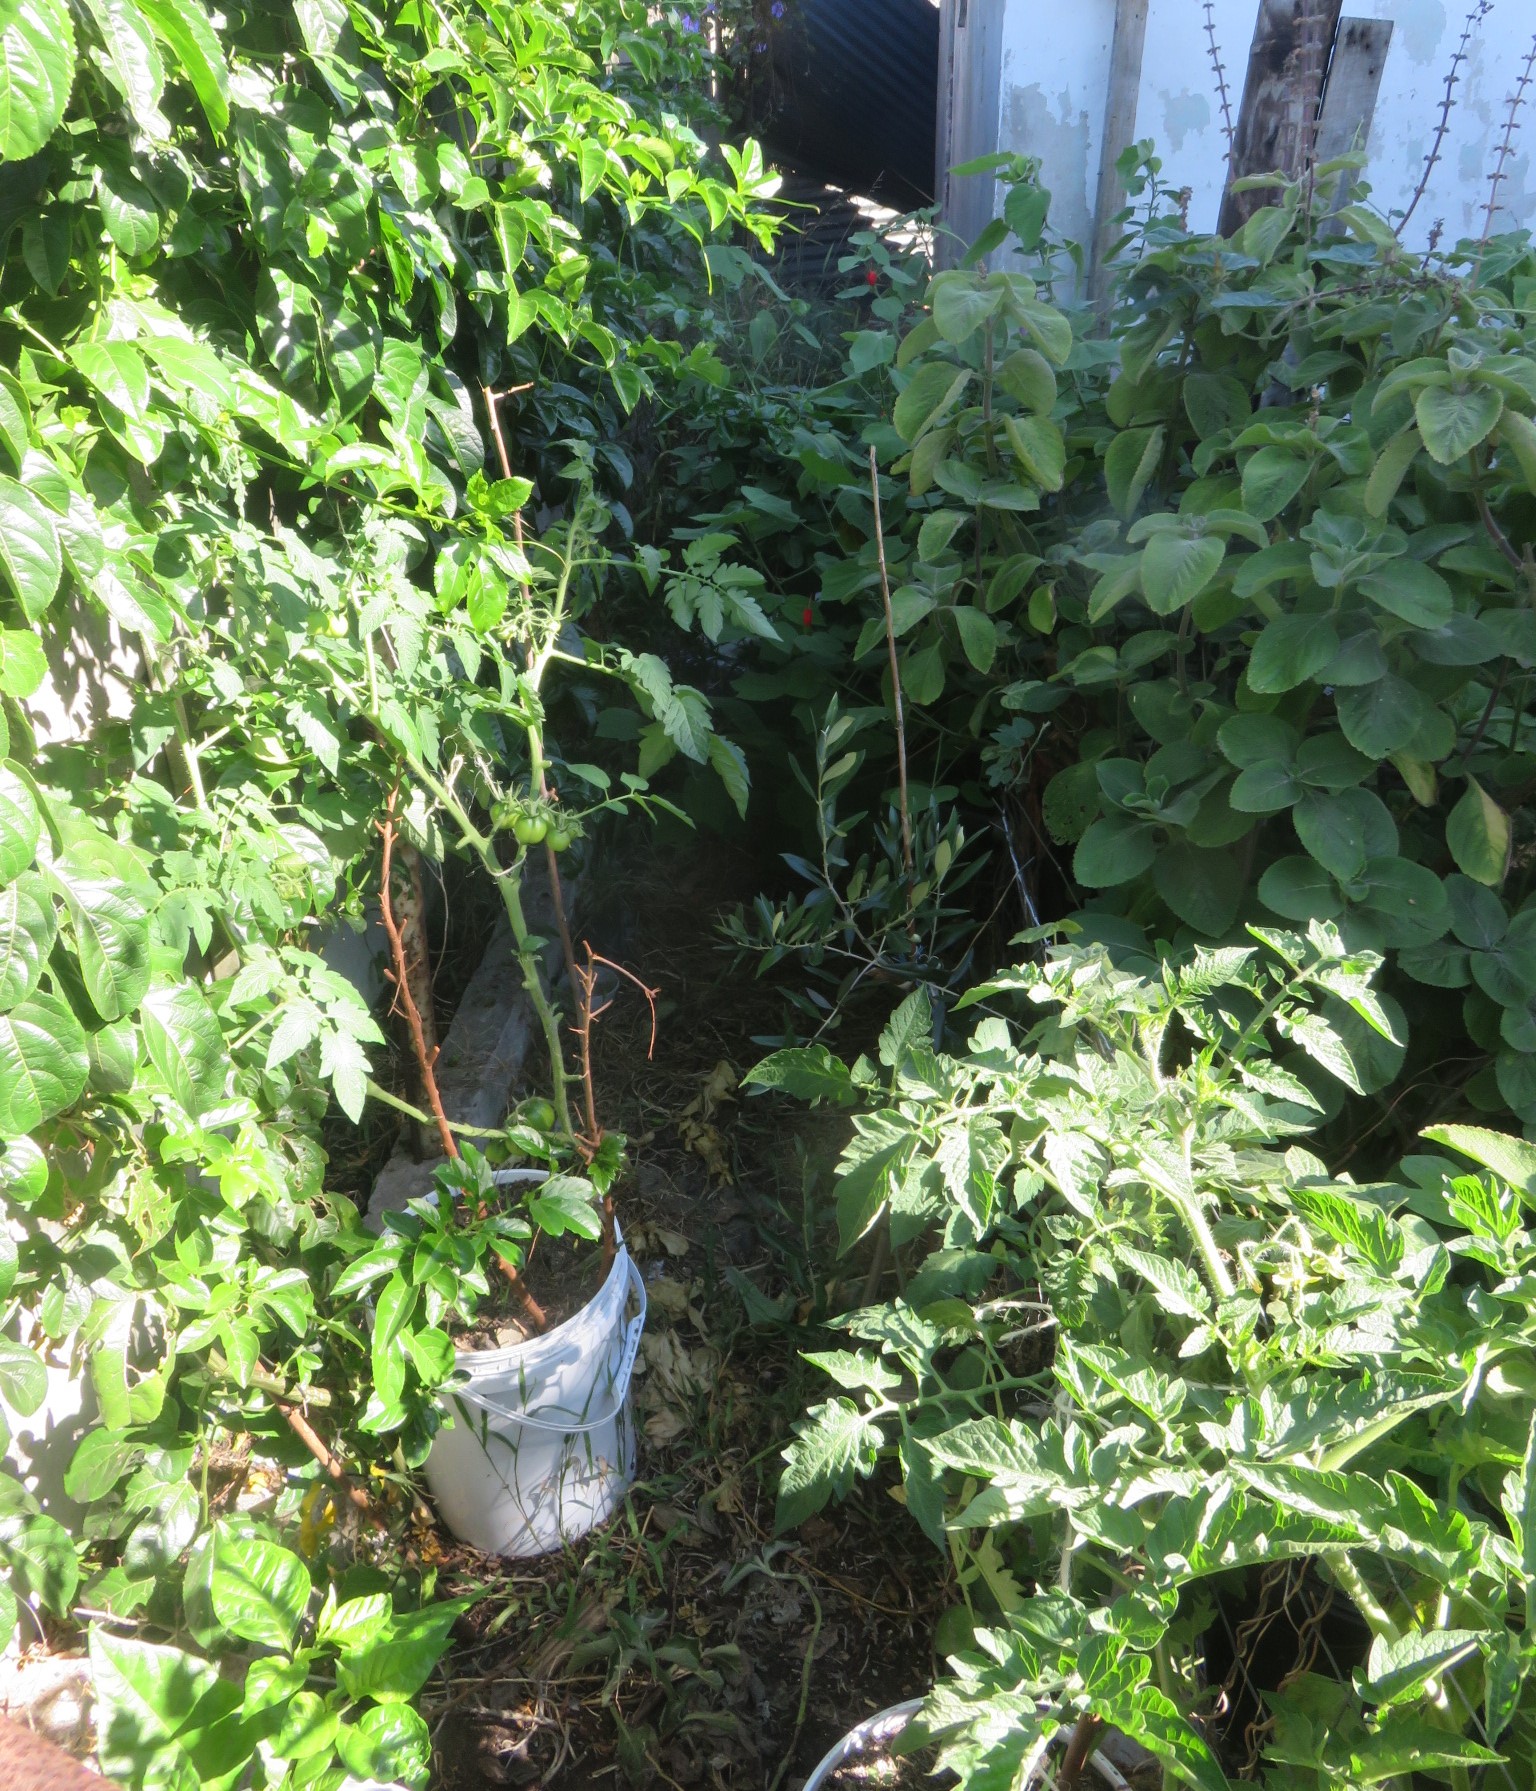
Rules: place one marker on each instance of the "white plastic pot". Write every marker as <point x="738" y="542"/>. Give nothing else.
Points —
<point x="541" y="1444"/>
<point x="878" y="1731"/>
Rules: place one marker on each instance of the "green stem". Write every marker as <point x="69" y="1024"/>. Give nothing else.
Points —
<point x="379" y="1093"/>
<point x="1189" y="1211"/>
<point x="510" y="884"/>
<point x="1344" y="1570"/>
<point x="1342" y="1454"/>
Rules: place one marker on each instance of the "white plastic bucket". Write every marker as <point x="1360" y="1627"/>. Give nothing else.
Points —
<point x="885" y="1725"/>
<point x="541" y="1444"/>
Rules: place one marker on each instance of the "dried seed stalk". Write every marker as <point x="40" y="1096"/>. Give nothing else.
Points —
<point x="1511" y="125"/>
<point x="1474" y="18"/>
<point x="1220" y="69"/>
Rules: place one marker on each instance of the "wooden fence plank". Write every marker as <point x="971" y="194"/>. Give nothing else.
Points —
<point x="1354" y="80"/>
<point x="1119" y="127"/>
<point x="1292" y="42"/>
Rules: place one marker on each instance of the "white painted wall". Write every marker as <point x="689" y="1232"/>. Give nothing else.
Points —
<point x="1055" y="72"/>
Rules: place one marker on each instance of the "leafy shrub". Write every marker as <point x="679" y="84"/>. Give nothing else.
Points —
<point x="1149" y="1343"/>
<point x="1219" y="597"/>
<point x="271" y="286"/>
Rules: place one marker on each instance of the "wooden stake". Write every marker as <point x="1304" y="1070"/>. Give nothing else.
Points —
<point x="890" y="643"/>
<point x="1119" y="132"/>
<point x="425" y="1056"/>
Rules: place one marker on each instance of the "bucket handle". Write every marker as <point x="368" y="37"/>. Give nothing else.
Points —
<point x="566" y="1426"/>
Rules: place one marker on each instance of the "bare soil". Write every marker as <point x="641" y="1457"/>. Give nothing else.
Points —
<point x="887" y="1772"/>
<point x="562" y="1274"/>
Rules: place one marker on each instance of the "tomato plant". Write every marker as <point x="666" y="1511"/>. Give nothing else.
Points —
<point x="303" y="309"/>
<point x="1239" y="1362"/>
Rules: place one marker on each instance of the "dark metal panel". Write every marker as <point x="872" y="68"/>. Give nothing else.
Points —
<point x="857" y="86"/>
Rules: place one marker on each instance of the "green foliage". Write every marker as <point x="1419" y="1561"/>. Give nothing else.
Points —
<point x="1238" y="1361"/>
<point x="1219" y="591"/>
<point x="166" y="1716"/>
<point x="273" y="282"/>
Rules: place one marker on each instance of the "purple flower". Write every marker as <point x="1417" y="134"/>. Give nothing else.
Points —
<point x="777" y="9"/>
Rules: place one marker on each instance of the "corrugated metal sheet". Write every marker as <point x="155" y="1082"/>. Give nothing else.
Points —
<point x="858" y="87"/>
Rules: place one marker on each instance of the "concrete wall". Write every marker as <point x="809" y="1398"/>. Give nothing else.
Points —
<point x="1053" y="74"/>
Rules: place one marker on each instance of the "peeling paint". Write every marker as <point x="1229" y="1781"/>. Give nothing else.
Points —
<point x="1421" y="26"/>
<point x="1060" y="138"/>
<point x="1053" y="85"/>
<point x="1182" y="113"/>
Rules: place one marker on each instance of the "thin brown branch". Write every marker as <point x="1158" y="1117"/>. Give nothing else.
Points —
<point x="596" y="957"/>
<point x="425" y="1059"/>
<point x="402" y="980"/>
<point x="557" y="896"/>
<point x="586" y="980"/>
<point x="586" y="1014"/>
<point x="1490" y="522"/>
<point x="1474" y="18"/>
<point x="890" y="642"/>
<point x="492" y="399"/>
<point x="316" y="1445"/>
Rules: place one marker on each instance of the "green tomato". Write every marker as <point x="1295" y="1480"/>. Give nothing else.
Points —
<point x="559" y="838"/>
<point x="539" y="1114"/>
<point x="336" y="626"/>
<point x="528" y="829"/>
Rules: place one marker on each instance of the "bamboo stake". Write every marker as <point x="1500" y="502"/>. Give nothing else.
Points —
<point x="890" y="643"/>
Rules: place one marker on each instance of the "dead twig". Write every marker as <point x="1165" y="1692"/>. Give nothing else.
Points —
<point x="1221" y="78"/>
<point x="1507" y="143"/>
<point x="1474" y="18"/>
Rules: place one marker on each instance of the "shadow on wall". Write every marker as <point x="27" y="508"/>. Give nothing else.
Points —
<point x="92" y="672"/>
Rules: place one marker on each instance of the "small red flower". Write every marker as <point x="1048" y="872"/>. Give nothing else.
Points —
<point x="807" y="615"/>
<point x="872" y="276"/>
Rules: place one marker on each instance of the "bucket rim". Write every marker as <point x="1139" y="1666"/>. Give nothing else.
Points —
<point x="886" y="1724"/>
<point x="479" y="1363"/>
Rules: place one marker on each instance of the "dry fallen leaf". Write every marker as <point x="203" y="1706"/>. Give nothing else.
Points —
<point x="671" y="1296"/>
<point x="665" y="1426"/>
<point x="694" y="1123"/>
